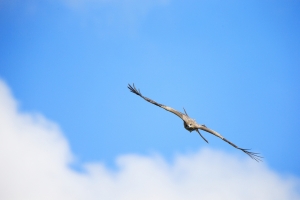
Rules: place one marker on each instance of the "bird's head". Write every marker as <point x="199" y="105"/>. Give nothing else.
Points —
<point x="190" y="124"/>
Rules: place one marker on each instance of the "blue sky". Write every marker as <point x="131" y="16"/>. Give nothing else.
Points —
<point x="234" y="66"/>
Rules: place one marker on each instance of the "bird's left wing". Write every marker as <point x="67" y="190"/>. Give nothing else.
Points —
<point x="137" y="92"/>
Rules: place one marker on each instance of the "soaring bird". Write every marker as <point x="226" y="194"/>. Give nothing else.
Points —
<point x="191" y="125"/>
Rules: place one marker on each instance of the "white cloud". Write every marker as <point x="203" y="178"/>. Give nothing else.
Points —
<point x="35" y="156"/>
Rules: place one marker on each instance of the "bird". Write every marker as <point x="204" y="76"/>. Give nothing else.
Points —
<point x="191" y="125"/>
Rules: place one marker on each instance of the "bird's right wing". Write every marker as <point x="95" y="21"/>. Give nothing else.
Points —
<point x="137" y="92"/>
<point x="253" y="155"/>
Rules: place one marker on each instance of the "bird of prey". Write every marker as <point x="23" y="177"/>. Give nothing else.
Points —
<point x="191" y="125"/>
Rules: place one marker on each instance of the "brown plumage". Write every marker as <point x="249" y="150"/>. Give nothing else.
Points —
<point x="191" y="125"/>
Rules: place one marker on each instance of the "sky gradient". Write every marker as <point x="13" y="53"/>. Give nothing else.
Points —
<point x="234" y="67"/>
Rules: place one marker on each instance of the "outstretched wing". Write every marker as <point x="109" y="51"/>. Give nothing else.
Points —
<point x="137" y="92"/>
<point x="253" y="155"/>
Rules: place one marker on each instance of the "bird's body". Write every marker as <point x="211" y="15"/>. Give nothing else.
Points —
<point x="191" y="125"/>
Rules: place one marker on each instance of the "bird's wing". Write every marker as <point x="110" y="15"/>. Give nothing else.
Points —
<point x="253" y="155"/>
<point x="137" y="92"/>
